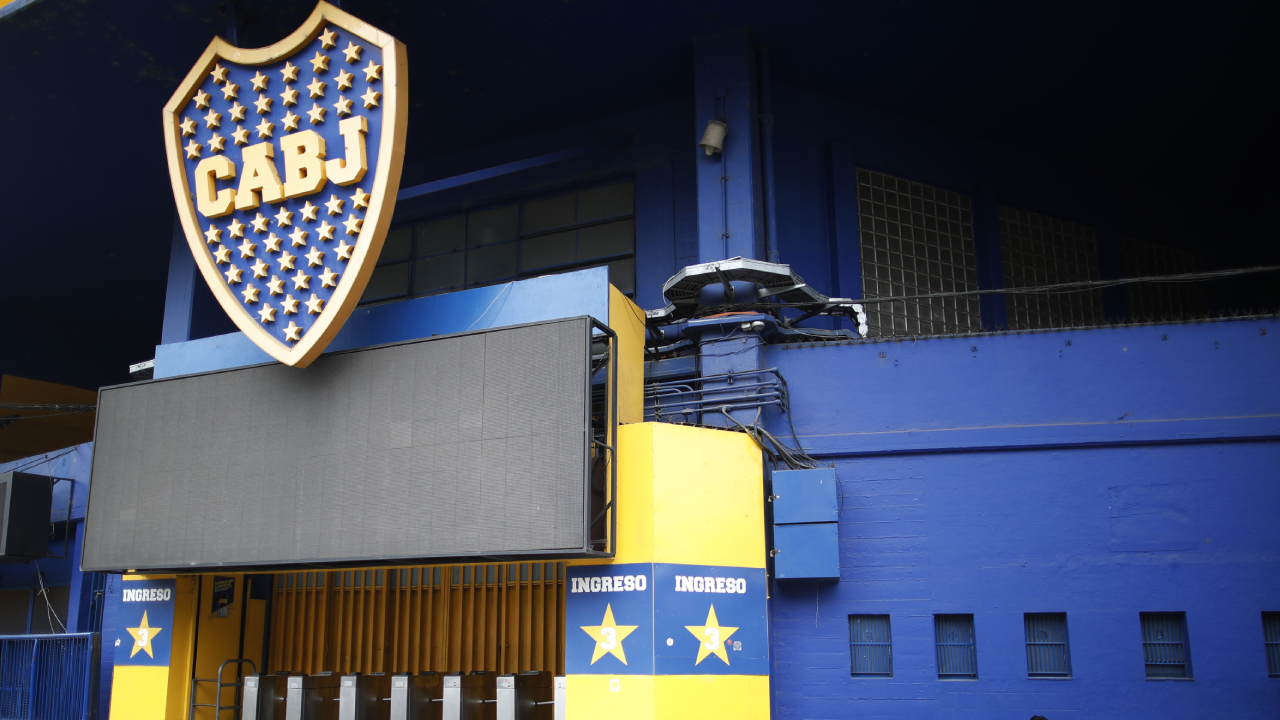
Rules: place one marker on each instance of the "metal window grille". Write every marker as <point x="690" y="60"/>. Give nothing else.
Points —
<point x="870" y="647"/>
<point x="1271" y="636"/>
<point x="957" y="651"/>
<point x="1164" y="645"/>
<point x="1040" y="250"/>
<point x="1155" y="301"/>
<point x="915" y="240"/>
<point x="1047" y="651"/>
<point x="47" y="619"/>
<point x="592" y="227"/>
<point x="15" y="611"/>
<point x="49" y="676"/>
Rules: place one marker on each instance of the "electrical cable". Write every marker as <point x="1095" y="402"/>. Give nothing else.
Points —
<point x="44" y="459"/>
<point x="33" y="406"/>
<point x="49" y="613"/>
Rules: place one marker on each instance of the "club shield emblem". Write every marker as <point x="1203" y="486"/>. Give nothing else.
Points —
<point x="285" y="162"/>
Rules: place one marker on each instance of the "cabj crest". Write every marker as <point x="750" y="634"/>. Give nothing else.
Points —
<point x="285" y="162"/>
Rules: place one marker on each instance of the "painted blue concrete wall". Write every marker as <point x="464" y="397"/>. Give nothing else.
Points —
<point x="1101" y="473"/>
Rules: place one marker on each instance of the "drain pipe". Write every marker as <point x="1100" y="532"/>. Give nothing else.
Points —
<point x="766" y="135"/>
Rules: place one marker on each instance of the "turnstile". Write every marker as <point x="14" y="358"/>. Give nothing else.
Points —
<point x="364" y="697"/>
<point x="417" y="697"/>
<point x="527" y="696"/>
<point x="470" y="697"/>
<point x="264" y="697"/>
<point x="312" y="697"/>
<point x="561" y="697"/>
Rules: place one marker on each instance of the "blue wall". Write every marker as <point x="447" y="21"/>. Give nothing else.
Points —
<point x="1100" y="473"/>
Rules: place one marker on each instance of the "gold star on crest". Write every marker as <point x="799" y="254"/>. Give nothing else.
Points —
<point x="373" y="72"/>
<point x="344" y="80"/>
<point x="188" y="127"/>
<point x="219" y="74"/>
<point x="266" y="314"/>
<point x="608" y="636"/>
<point x="343" y="106"/>
<point x="246" y="249"/>
<point x="241" y="136"/>
<point x="309" y="211"/>
<point x="370" y="99"/>
<point x="275" y="286"/>
<point x="314" y="257"/>
<point x="353" y="224"/>
<point x="284" y="218"/>
<point x="334" y="205"/>
<point x="260" y="268"/>
<point x="711" y="637"/>
<point x="217" y="143"/>
<point x="328" y="39"/>
<point x="273" y="243"/>
<point x="289" y="96"/>
<point x="301" y="281"/>
<point x="237" y="112"/>
<point x="360" y="199"/>
<point x="315" y="305"/>
<point x="263" y="103"/>
<point x="213" y="234"/>
<point x="352" y="52"/>
<point x="260" y="82"/>
<point x="320" y="62"/>
<point x="264" y="128"/>
<point x="289" y="71"/>
<point x="236" y="228"/>
<point x="291" y="121"/>
<point x="343" y="251"/>
<point x="286" y="261"/>
<point x="293" y="333"/>
<point x="328" y="278"/>
<point x="259" y="223"/>
<point x="202" y="99"/>
<point x="290" y="305"/>
<point x="325" y="231"/>
<point x="233" y="274"/>
<point x="230" y="91"/>
<point x="222" y="255"/>
<point x="213" y="119"/>
<point x="316" y="88"/>
<point x="250" y="294"/>
<point x="193" y="149"/>
<point x="142" y="637"/>
<point x="299" y="237"/>
<point x="317" y="114"/>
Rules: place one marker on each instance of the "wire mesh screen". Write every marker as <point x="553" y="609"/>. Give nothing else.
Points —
<point x="870" y="646"/>
<point x="50" y="617"/>
<point x="957" y="652"/>
<point x="1047" y="652"/>
<point x="916" y="239"/>
<point x="1040" y="250"/>
<point x="15" y="608"/>
<point x="451" y="447"/>
<point x="1153" y="301"/>
<point x="1164" y="645"/>
<point x="1271" y="636"/>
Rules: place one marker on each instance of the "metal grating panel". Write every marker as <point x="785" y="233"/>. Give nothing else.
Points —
<point x="51" y="617"/>
<point x="15" y="608"/>
<point x="1271" y="637"/>
<point x="1154" y="301"/>
<point x="870" y="646"/>
<point x="957" y="652"/>
<point x="1164" y="645"/>
<point x="451" y="447"/>
<point x="1047" y="652"/>
<point x="916" y="239"/>
<point x="1039" y="250"/>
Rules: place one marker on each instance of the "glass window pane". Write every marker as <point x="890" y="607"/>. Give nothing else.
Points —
<point x="547" y="213"/>
<point x="387" y="281"/>
<point x="442" y="236"/>
<point x="492" y="226"/>
<point x="438" y="273"/>
<point x="491" y="263"/>
<point x="547" y="250"/>
<point x="622" y="275"/>
<point x="604" y="240"/>
<point x="606" y="202"/>
<point x="397" y="246"/>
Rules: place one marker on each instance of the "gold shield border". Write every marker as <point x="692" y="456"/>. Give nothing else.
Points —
<point x="382" y="199"/>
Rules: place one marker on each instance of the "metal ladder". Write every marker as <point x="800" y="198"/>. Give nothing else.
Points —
<point x="217" y="704"/>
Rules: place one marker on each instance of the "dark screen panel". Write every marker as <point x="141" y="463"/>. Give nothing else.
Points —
<point x="450" y="447"/>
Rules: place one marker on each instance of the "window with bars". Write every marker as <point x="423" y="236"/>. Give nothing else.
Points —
<point x="1047" y="651"/>
<point x="1164" y="645"/>
<point x="870" y="647"/>
<point x="1038" y="250"/>
<point x="957" y="651"/>
<point x="1271" y="636"/>
<point x="916" y="240"/>
<point x="586" y="228"/>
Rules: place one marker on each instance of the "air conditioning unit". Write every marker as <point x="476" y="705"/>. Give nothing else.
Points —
<point x="25" y="502"/>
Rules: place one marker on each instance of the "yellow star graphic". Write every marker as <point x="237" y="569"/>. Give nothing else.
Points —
<point x="217" y="143"/>
<point x="360" y="199"/>
<point x="241" y="136"/>
<point x="275" y="286"/>
<point x="237" y="112"/>
<point x="233" y="274"/>
<point x="325" y="231"/>
<point x="273" y="243"/>
<point x="343" y="251"/>
<point x="293" y="333"/>
<point x="260" y="81"/>
<point x="213" y="234"/>
<point x="219" y="73"/>
<point x="188" y="127"/>
<point x="328" y="39"/>
<point x="222" y="255"/>
<point x="309" y="211"/>
<point x="236" y="228"/>
<point x="286" y="261"/>
<point x="264" y="128"/>
<point x="266" y="314"/>
<point x="290" y="72"/>
<point x="284" y="218"/>
<point x="352" y="52"/>
<point x="315" y="257"/>
<point x="608" y="636"/>
<point x="290" y="305"/>
<point x="291" y="121"/>
<point x="315" y="305"/>
<point x="263" y="103"/>
<point x="301" y="281"/>
<point x="328" y="278"/>
<point x="142" y="636"/>
<point x="259" y="223"/>
<point x="353" y="223"/>
<point x="343" y="106"/>
<point x="289" y="96"/>
<point x="247" y="248"/>
<point x="250" y="294"/>
<point x="316" y="87"/>
<point x="260" y="268"/>
<point x="193" y="149"/>
<point x="319" y="62"/>
<point x="230" y="91"/>
<point x="213" y="119"/>
<point x="317" y="114"/>
<point x="711" y="637"/>
<point x="370" y="99"/>
<point x="343" y="80"/>
<point x="299" y="237"/>
<point x="334" y="205"/>
<point x="372" y="72"/>
<point x="202" y="100"/>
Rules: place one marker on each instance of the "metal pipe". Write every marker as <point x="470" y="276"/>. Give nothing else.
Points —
<point x="766" y="140"/>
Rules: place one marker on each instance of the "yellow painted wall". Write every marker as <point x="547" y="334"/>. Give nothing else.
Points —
<point x="627" y="320"/>
<point x="160" y="693"/>
<point x="138" y="692"/>
<point x="183" y="649"/>
<point x="218" y="639"/>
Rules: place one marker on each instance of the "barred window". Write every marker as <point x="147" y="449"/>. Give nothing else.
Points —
<point x="870" y="648"/>
<point x="1164" y="645"/>
<point x="1040" y="250"/>
<point x="1271" y="636"/>
<point x="957" y="651"/>
<point x="1047" y="651"/>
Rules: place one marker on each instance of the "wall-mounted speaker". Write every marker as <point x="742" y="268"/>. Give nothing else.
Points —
<point x="25" y="502"/>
